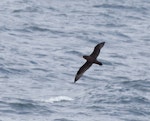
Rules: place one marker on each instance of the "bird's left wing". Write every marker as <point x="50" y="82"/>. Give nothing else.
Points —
<point x="82" y="70"/>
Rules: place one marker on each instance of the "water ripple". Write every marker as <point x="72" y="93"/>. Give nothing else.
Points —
<point x="41" y="49"/>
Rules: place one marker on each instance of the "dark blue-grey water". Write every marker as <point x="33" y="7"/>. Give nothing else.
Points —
<point x="41" y="48"/>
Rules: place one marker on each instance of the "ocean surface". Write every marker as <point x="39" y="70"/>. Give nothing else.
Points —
<point x="41" y="47"/>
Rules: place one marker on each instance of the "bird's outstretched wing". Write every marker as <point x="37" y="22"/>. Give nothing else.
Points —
<point x="82" y="70"/>
<point x="97" y="49"/>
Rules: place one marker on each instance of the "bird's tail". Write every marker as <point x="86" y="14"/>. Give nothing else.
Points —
<point x="98" y="62"/>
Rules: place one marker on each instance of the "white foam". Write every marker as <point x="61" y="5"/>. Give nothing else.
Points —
<point x="58" y="99"/>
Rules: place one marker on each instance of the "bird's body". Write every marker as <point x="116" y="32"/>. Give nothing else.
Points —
<point x="91" y="59"/>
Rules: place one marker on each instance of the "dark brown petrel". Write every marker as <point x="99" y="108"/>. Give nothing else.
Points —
<point x="90" y="60"/>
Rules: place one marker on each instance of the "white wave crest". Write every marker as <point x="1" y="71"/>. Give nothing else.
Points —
<point x="58" y="99"/>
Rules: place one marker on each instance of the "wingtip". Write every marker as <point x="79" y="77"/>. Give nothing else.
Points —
<point x="103" y="43"/>
<point x="75" y="80"/>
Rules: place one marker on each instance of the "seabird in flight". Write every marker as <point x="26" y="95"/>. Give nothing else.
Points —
<point x="90" y="60"/>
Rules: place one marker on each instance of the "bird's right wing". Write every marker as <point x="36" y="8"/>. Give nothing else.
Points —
<point x="97" y="49"/>
<point x="82" y="70"/>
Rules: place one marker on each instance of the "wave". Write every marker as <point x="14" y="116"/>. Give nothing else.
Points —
<point x="57" y="99"/>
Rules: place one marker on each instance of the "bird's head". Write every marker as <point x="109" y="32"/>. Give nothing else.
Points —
<point x="85" y="57"/>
